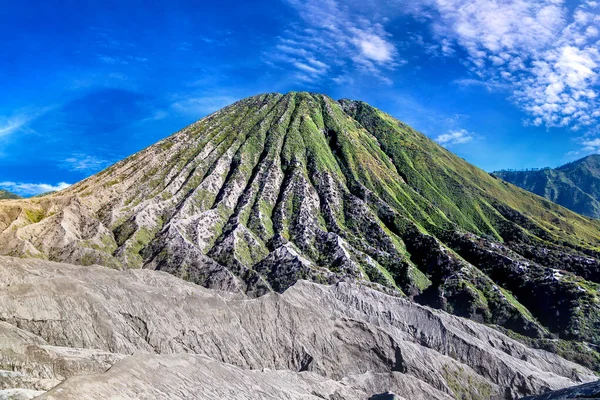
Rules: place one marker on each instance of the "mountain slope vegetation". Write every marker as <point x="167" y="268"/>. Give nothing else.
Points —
<point x="575" y="186"/>
<point x="277" y="188"/>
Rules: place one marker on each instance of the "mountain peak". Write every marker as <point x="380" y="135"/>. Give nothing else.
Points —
<point x="282" y="187"/>
<point x="592" y="162"/>
<point x="592" y="158"/>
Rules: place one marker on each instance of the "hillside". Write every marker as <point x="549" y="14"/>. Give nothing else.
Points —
<point x="575" y="186"/>
<point x="5" y="194"/>
<point x="277" y="188"/>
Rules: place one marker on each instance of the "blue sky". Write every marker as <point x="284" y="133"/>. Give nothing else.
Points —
<point x="502" y="83"/>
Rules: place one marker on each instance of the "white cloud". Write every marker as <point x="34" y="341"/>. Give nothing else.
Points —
<point x="84" y="163"/>
<point x="459" y="136"/>
<point x="374" y="47"/>
<point x="307" y="68"/>
<point x="592" y="143"/>
<point x="32" y="189"/>
<point x="201" y="105"/>
<point x="19" y="122"/>
<point x="11" y="125"/>
<point x="545" y="51"/>
<point x="589" y="143"/>
<point x="334" y="40"/>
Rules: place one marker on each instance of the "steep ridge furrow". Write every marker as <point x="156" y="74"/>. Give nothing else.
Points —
<point x="278" y="173"/>
<point x="258" y="171"/>
<point x="213" y="134"/>
<point x="260" y="128"/>
<point x="177" y="176"/>
<point x="233" y="161"/>
<point x="215" y="164"/>
<point x="259" y="218"/>
<point x="374" y="272"/>
<point x="278" y="215"/>
<point x="237" y="240"/>
<point x="208" y="161"/>
<point x="367" y="227"/>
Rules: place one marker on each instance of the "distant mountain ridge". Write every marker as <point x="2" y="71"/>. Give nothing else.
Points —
<point x="5" y="194"/>
<point x="575" y="186"/>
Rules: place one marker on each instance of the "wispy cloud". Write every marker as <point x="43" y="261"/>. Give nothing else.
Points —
<point x="332" y="40"/>
<point x="591" y="145"/>
<point x="11" y="125"/>
<point x="84" y="163"/>
<point x="488" y="84"/>
<point x="120" y="60"/>
<point x="20" y="121"/>
<point x="113" y="50"/>
<point x="157" y="115"/>
<point x="32" y="189"/>
<point x="544" y="51"/>
<point x="459" y="136"/>
<point x="198" y="106"/>
<point x="587" y="145"/>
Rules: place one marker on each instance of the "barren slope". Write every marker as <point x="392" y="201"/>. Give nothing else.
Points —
<point x="60" y="321"/>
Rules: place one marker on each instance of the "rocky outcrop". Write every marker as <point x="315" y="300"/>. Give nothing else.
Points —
<point x="147" y="334"/>
<point x="586" y="391"/>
